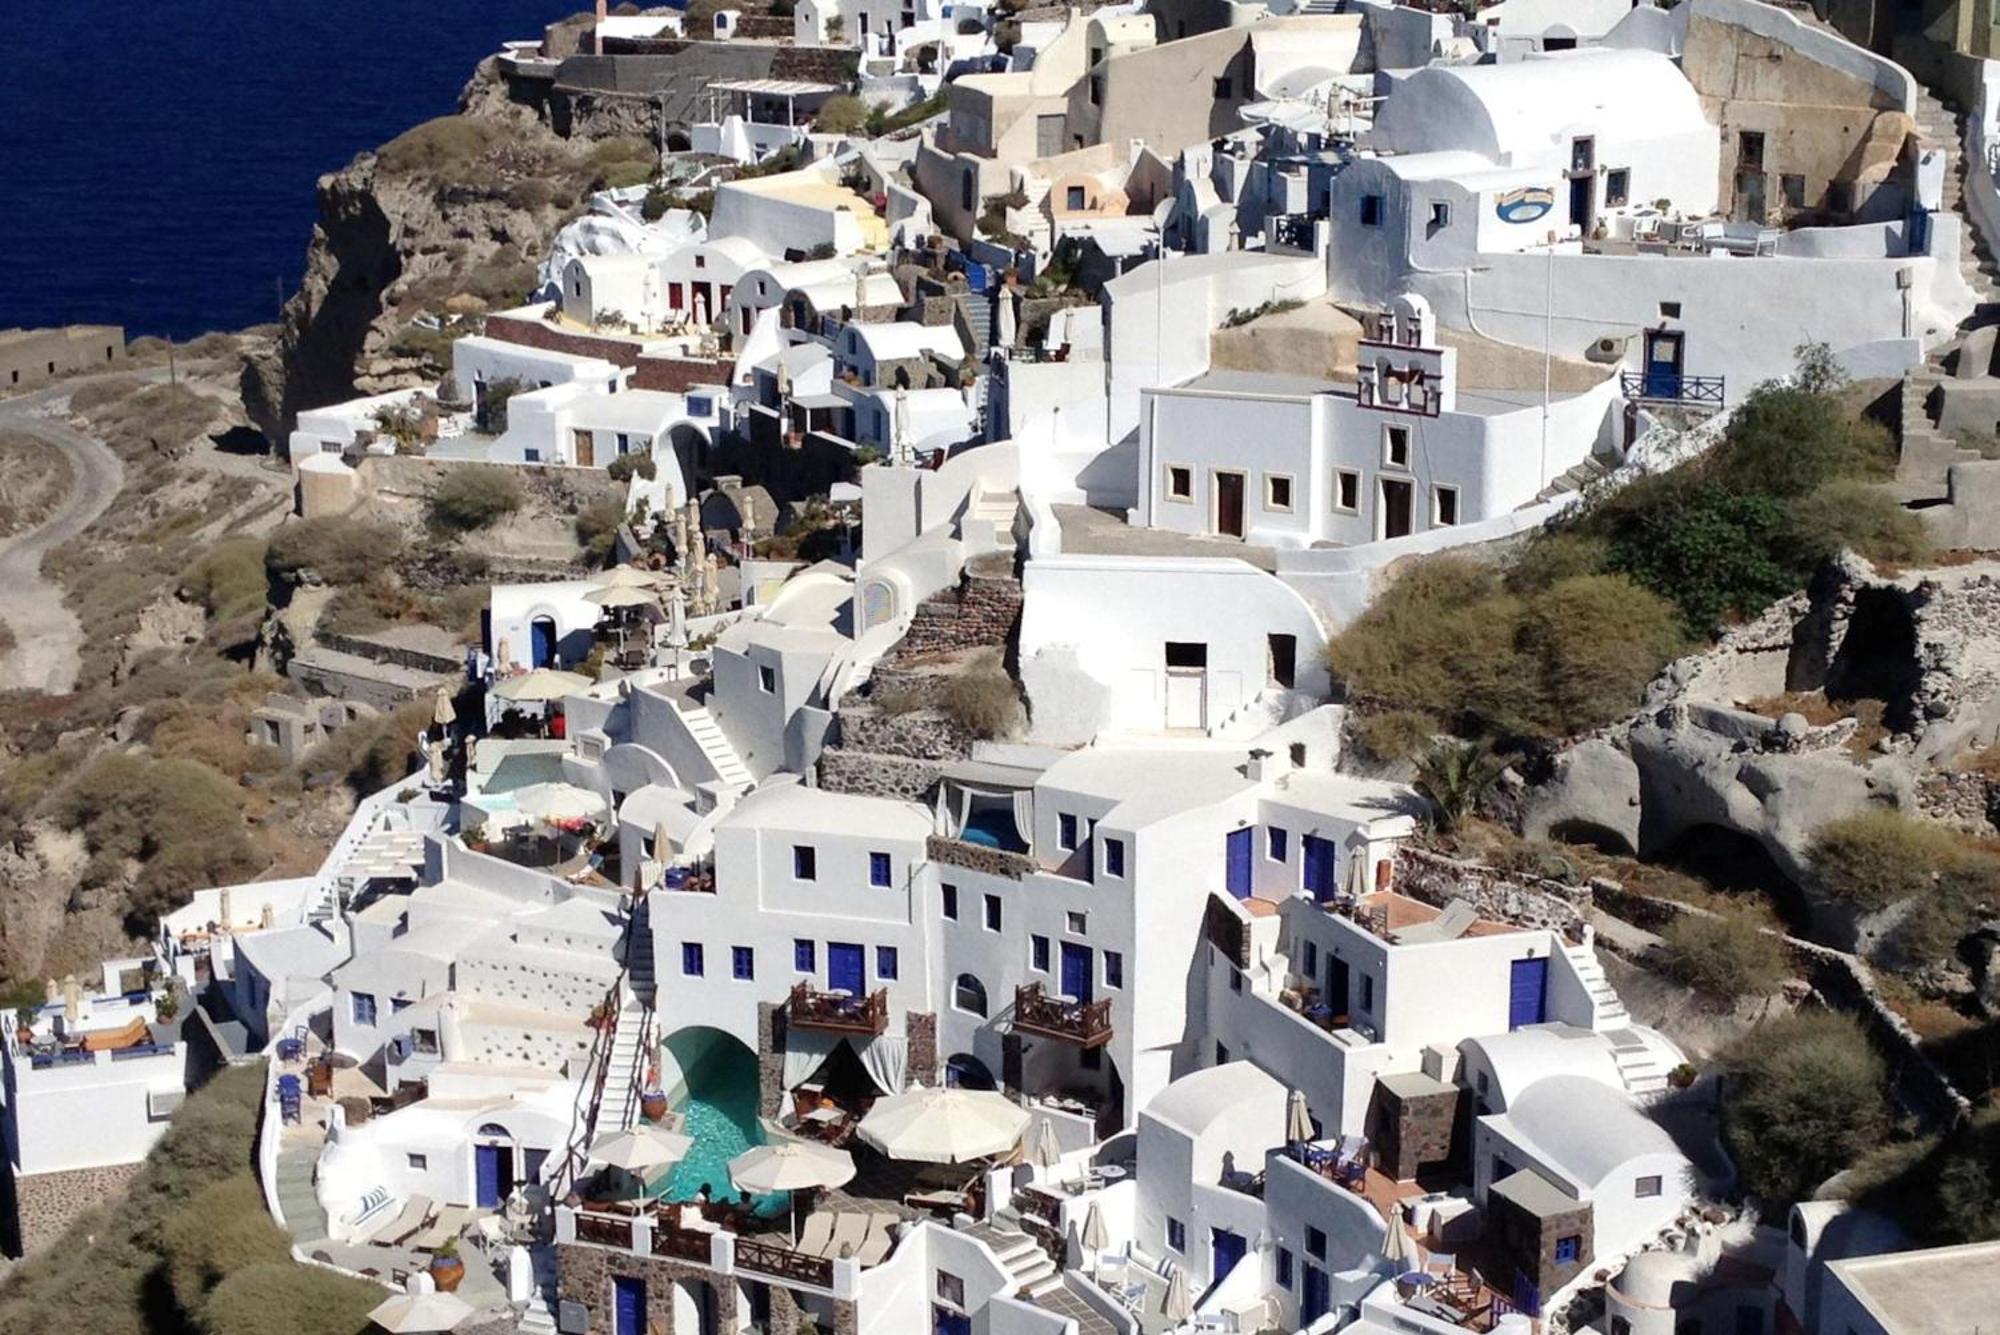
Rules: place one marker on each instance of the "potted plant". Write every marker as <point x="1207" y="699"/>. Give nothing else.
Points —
<point x="447" y="1270"/>
<point x="653" y="1103"/>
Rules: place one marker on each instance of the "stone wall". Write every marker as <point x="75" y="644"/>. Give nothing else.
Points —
<point x="584" y="1272"/>
<point x="978" y="858"/>
<point x="871" y="774"/>
<point x="770" y="1059"/>
<point x="1969" y="801"/>
<point x="535" y="334"/>
<point x="919" y="734"/>
<point x="920" y="1027"/>
<point x="984" y="610"/>
<point x="1524" y="901"/>
<point x="1411" y="1132"/>
<point x="46" y="1203"/>
<point x="677" y="375"/>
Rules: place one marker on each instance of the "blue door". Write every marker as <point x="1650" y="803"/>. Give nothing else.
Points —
<point x="1227" y="1250"/>
<point x="1663" y="364"/>
<point x="543" y="649"/>
<point x="947" y="1322"/>
<point x="845" y="968"/>
<point x="1321" y="880"/>
<point x="1525" y="989"/>
<point x="1314" y="1301"/>
<point x="1076" y="971"/>
<point x="486" y="1175"/>
<point x="628" y="1305"/>
<point x="1238" y="849"/>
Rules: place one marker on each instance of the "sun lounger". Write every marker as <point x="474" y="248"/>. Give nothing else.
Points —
<point x="875" y="1248"/>
<point x="449" y="1222"/>
<point x="408" y="1220"/>
<point x="374" y="1203"/>
<point x="850" y="1230"/>
<point x="818" y="1232"/>
<point x="932" y="1202"/>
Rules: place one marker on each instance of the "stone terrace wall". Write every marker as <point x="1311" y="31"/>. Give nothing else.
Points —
<point x="536" y="334"/>
<point x="1524" y="901"/>
<point x="46" y="1203"/>
<point x="984" y="611"/>
<point x="871" y="774"/>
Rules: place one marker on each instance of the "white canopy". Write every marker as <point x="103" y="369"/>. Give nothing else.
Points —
<point x="557" y="801"/>
<point x="641" y="1148"/>
<point x="793" y="1165"/>
<point x="412" y="1313"/>
<point x="542" y="686"/>
<point x="944" y="1125"/>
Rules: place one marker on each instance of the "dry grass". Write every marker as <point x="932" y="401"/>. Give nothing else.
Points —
<point x="34" y="479"/>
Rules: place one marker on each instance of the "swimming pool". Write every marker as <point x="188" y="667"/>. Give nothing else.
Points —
<point x="992" y="827"/>
<point x="720" y="1116"/>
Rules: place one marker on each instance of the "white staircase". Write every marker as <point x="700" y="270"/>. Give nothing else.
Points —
<point x="1607" y="1012"/>
<point x="708" y="735"/>
<point x="988" y="522"/>
<point x="1641" y="1065"/>
<point x="1030" y="1272"/>
<point x="625" y="1068"/>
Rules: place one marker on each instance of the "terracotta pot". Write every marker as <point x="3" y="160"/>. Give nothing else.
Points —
<point x="653" y="1105"/>
<point x="447" y="1272"/>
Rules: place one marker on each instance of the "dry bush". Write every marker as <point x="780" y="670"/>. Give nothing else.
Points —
<point x="467" y="499"/>
<point x="1807" y="1098"/>
<point x="94" y="395"/>
<point x="336" y="549"/>
<point x="447" y="147"/>
<point x="1394" y="734"/>
<point x="1724" y="956"/>
<point x="982" y="699"/>
<point x="1877" y="858"/>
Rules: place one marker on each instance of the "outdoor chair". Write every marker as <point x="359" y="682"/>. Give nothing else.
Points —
<point x="448" y="1223"/>
<point x="850" y="1230"/>
<point x="416" y="1210"/>
<point x="818" y="1232"/>
<point x="875" y="1248"/>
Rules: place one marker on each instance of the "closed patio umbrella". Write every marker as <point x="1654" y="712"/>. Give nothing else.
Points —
<point x="1176" y="1304"/>
<point x="416" y="1313"/>
<point x="1298" y="1118"/>
<point x="944" y="1125"/>
<point x="542" y="686"/>
<point x="442" y="713"/>
<point x="641" y="1149"/>
<point x="1396" y="1243"/>
<point x="1095" y="1236"/>
<point x="1047" y="1151"/>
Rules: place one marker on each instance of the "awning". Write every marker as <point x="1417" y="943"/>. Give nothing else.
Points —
<point x="775" y="87"/>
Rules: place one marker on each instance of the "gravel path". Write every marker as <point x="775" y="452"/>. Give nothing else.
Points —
<point x="46" y="633"/>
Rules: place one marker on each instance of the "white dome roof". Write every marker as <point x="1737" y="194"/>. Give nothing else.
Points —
<point x="1649" y="1279"/>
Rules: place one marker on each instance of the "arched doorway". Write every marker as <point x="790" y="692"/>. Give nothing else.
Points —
<point x="693" y="1308"/>
<point x="962" y="1070"/>
<point x="712" y="1078"/>
<point x="492" y="1166"/>
<point x="542" y="642"/>
<point x="678" y="142"/>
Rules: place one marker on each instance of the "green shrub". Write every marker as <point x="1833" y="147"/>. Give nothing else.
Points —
<point x="336" y="549"/>
<point x="228" y="579"/>
<point x="1806" y="1098"/>
<point x="597" y="528"/>
<point x="1597" y="640"/>
<point x="446" y="147"/>
<point x="222" y="1229"/>
<point x="1722" y="956"/>
<point x="1857" y="516"/>
<point x="1439" y="640"/>
<point x="841" y="114"/>
<point x="179" y="819"/>
<point x="1713" y="552"/>
<point x="1454" y="776"/>
<point x="472" y="498"/>
<point x="627" y="466"/>
<point x="654" y="207"/>
<point x="1787" y="440"/>
<point x="1876" y="858"/>
<point x="1394" y="734"/>
<point x="296" y="1299"/>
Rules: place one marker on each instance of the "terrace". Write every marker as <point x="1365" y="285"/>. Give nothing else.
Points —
<point x="838" y="1012"/>
<point x="1403" y="921"/>
<point x="1085" y="1023"/>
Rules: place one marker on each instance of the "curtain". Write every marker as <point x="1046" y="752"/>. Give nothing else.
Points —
<point x="887" y="1060"/>
<point x="1024" y="815"/>
<point x="806" y="1052"/>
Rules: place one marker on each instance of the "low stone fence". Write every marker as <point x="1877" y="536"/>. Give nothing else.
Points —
<point x="978" y="857"/>
<point x="1501" y="896"/>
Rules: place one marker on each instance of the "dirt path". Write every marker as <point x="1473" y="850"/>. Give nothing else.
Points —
<point x="46" y="633"/>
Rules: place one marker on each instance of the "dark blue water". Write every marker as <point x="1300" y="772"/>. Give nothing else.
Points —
<point x="157" y="157"/>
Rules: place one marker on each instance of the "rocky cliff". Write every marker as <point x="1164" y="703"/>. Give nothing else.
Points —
<point x="448" y="217"/>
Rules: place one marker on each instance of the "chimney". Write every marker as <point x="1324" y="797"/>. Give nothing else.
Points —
<point x="597" y="33"/>
<point x="1258" y="768"/>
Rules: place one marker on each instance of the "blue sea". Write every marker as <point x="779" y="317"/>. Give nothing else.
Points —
<point x="157" y="157"/>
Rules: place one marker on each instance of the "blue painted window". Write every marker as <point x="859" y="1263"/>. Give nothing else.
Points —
<point x="742" y="962"/>
<point x="364" y="1008"/>
<point x="1038" y="953"/>
<point x="1284" y="1267"/>
<point x="1114" y="857"/>
<point x="1114" y="969"/>
<point x="804" y="958"/>
<point x="878" y="869"/>
<point x="1176" y="1234"/>
<point x="1275" y="843"/>
<point x="885" y="963"/>
<point x="691" y="958"/>
<point x="1568" y="1249"/>
<point x="1312" y="960"/>
<point x="805" y="863"/>
<point x="950" y="893"/>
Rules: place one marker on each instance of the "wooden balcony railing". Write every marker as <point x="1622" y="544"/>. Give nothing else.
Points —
<point x="683" y="1244"/>
<point x="837" y="1013"/>
<point x="1085" y="1023"/>
<point x="783" y="1263"/>
<point x="607" y="1230"/>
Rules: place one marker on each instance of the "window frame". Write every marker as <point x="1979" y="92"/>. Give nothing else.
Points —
<point x="1277" y="843"/>
<point x="694" y="960"/>
<point x="881" y="872"/>
<point x="1114" y="855"/>
<point x="887" y="964"/>
<point x="1272" y="483"/>
<point x="1344" y="480"/>
<point x="1392" y="434"/>
<point x="1176" y="1235"/>
<point x="1614" y="197"/>
<point x="1113" y="967"/>
<point x="993" y="915"/>
<point x="1373" y="208"/>
<point x="1066" y="831"/>
<point x="805" y="955"/>
<point x="948" y="901"/>
<point x="1440" y="492"/>
<point x="1178" y="495"/>
<point x="1038" y="952"/>
<point x="805" y="862"/>
<point x="743" y="963"/>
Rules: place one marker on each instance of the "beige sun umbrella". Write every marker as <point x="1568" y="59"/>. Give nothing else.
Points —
<point x="1096" y="1237"/>
<point x="641" y="1149"/>
<point x="412" y="1313"/>
<point x="623" y="595"/>
<point x="1046" y="1151"/>
<point x="557" y="801"/>
<point x="628" y="577"/>
<point x="1176" y="1304"/>
<point x="1396" y="1242"/>
<point x="442" y="713"/>
<point x="1298" y="1118"/>
<point x="791" y="1166"/>
<point x="944" y="1125"/>
<point x="542" y="686"/>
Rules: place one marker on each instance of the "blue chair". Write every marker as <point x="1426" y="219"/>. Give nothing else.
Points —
<point x="290" y="1098"/>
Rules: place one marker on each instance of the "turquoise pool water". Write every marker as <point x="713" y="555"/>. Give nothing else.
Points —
<point x="720" y="1114"/>
<point x="992" y="827"/>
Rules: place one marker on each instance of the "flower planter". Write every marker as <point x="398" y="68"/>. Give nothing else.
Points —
<point x="447" y="1272"/>
<point x="653" y="1105"/>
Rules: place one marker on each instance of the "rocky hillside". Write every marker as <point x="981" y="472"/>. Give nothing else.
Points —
<point x="449" y="218"/>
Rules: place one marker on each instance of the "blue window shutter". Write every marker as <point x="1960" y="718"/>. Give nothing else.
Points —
<point x="804" y="957"/>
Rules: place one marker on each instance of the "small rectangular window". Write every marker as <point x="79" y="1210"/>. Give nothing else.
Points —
<point x="1114" y="857"/>
<point x="362" y="1008"/>
<point x="1114" y="969"/>
<point x="1444" y="506"/>
<point x="1315" y="1243"/>
<point x="885" y="963"/>
<point x="1346" y="490"/>
<point x="1569" y="1248"/>
<point x="805" y="863"/>
<point x="1235" y="978"/>
<point x="1670" y="310"/>
<point x="1180" y="482"/>
<point x="992" y="913"/>
<point x="1311" y="959"/>
<point x="1076" y="924"/>
<point x="1066" y="832"/>
<point x="1617" y="187"/>
<point x="691" y="958"/>
<point x="804" y="956"/>
<point x="1750" y="150"/>
<point x="767" y="679"/>
<point x="1368" y="993"/>
<point x="419" y="1162"/>
<point x="1792" y="188"/>
<point x="743" y="963"/>
<point x="1282" y="1264"/>
<point x="1645" y="1186"/>
<point x="1440" y="216"/>
<point x="1396" y="446"/>
<point x="1176" y="1234"/>
<point x="1582" y="154"/>
<point x="1038" y="953"/>
<point x="1277" y="492"/>
<point x="1073" y="198"/>
<point x="949" y="895"/>
<point x="878" y="869"/>
<point x="1274" y="841"/>
<point x="1371" y="210"/>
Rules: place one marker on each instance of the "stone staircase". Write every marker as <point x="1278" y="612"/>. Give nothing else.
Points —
<point x="638" y="959"/>
<point x="625" y="1069"/>
<point x="298" y="1198"/>
<point x="1939" y="126"/>
<point x="708" y="735"/>
<point x="978" y="310"/>
<point x="1030" y="1271"/>
<point x="1576" y="479"/>
<point x="1926" y="453"/>
<point x="1607" y="1011"/>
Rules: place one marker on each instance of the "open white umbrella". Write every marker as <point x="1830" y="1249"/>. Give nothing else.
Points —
<point x="417" y="1313"/>
<point x="1298" y="1118"/>
<point x="623" y="595"/>
<point x="542" y="686"/>
<point x="944" y="1125"/>
<point x="641" y="1149"/>
<point x="557" y="801"/>
<point x="792" y="1165"/>
<point x="628" y="577"/>
<point x="1046" y="1152"/>
<point x="1176" y="1304"/>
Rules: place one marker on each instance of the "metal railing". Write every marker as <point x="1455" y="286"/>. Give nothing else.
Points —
<point x="1656" y="387"/>
<point x="1087" y="1023"/>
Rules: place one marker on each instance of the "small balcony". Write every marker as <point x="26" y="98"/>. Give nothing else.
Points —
<point x="1671" y="387"/>
<point x="839" y="1012"/>
<point x="1084" y="1023"/>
